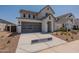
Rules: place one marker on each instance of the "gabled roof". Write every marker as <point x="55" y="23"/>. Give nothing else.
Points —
<point x="46" y="7"/>
<point x="27" y="11"/>
<point x="63" y="18"/>
<point x="67" y="14"/>
<point x="6" y="22"/>
<point x="76" y="21"/>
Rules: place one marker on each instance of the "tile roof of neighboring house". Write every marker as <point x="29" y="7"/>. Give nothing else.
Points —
<point x="64" y="15"/>
<point x="6" y="22"/>
<point x="77" y="21"/>
<point x="64" y="18"/>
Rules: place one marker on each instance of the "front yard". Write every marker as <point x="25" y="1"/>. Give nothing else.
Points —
<point x="8" y="42"/>
<point x="67" y="35"/>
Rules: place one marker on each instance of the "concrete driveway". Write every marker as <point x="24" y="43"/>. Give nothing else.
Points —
<point x="24" y="45"/>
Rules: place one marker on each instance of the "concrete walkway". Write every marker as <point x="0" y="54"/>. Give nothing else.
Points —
<point x="25" y="46"/>
<point x="71" y="47"/>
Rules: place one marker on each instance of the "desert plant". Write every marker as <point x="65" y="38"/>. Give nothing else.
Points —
<point x="56" y="33"/>
<point x="66" y="39"/>
<point x="72" y="37"/>
<point x="65" y="33"/>
<point x="8" y="41"/>
<point x="61" y="33"/>
<point x="69" y="34"/>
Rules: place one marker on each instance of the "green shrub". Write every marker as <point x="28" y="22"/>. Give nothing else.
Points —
<point x="63" y="29"/>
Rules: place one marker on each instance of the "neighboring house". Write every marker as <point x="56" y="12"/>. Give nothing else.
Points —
<point x="43" y="21"/>
<point x="66" y="21"/>
<point x="7" y="26"/>
<point x="76" y="23"/>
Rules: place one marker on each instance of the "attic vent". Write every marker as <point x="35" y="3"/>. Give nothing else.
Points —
<point x="70" y="15"/>
<point x="47" y="8"/>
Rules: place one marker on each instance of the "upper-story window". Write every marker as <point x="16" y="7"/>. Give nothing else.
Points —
<point x="24" y="15"/>
<point x="33" y="16"/>
<point x="50" y="17"/>
<point x="29" y="16"/>
<point x="46" y="14"/>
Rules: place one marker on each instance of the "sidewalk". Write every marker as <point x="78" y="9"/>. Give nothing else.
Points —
<point x="71" y="47"/>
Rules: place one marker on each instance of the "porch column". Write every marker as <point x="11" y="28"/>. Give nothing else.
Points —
<point x="52" y="29"/>
<point x="6" y="28"/>
<point x="44" y="26"/>
<point x="10" y="28"/>
<point x="19" y="27"/>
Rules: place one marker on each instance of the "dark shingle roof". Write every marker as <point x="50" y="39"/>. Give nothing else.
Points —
<point x="22" y="10"/>
<point x="6" y="22"/>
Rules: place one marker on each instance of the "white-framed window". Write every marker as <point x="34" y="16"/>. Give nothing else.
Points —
<point x="29" y="16"/>
<point x="46" y="14"/>
<point x="33" y="16"/>
<point x="24" y="15"/>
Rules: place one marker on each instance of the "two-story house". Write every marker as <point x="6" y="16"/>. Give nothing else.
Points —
<point x="43" y="21"/>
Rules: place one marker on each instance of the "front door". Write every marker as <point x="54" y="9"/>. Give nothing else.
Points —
<point x="49" y="26"/>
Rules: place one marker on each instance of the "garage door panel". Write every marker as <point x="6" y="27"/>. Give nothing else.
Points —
<point x="31" y="27"/>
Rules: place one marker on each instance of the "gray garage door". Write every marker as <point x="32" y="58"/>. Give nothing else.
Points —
<point x="31" y="27"/>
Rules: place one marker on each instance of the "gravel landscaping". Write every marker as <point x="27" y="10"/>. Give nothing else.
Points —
<point x="67" y="36"/>
<point x="8" y="42"/>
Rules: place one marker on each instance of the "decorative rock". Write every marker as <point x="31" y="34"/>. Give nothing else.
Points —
<point x="2" y="45"/>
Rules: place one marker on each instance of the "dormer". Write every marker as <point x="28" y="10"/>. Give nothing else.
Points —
<point x="46" y="11"/>
<point x="28" y="14"/>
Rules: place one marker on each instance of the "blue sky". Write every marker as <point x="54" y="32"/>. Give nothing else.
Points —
<point x="10" y="12"/>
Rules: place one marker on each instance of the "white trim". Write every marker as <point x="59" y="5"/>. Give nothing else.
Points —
<point x="19" y="29"/>
<point x="44" y="26"/>
<point x="30" y="20"/>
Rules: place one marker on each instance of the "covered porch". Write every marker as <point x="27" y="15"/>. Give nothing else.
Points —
<point x="10" y="28"/>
